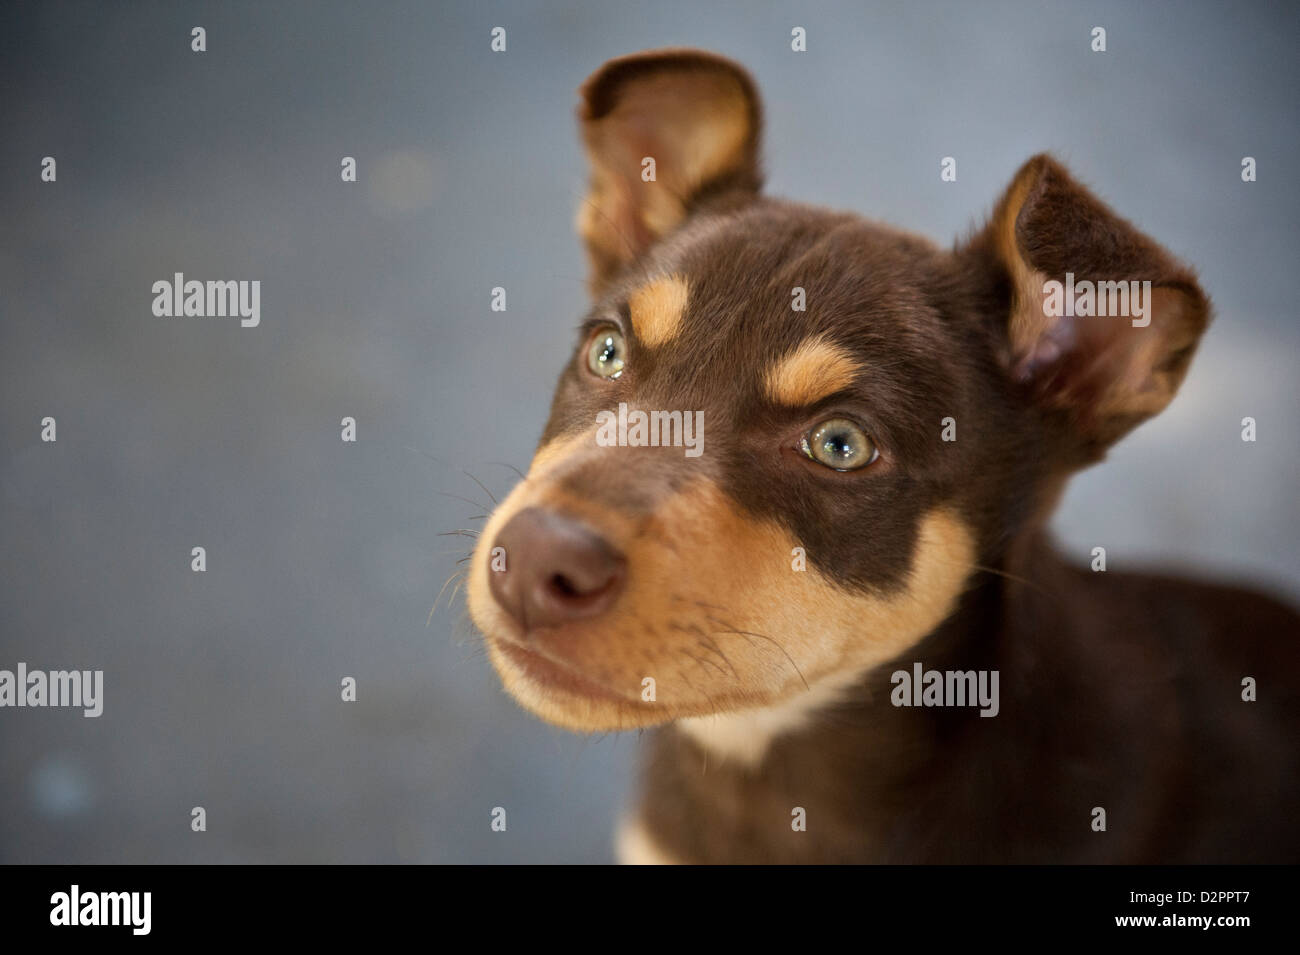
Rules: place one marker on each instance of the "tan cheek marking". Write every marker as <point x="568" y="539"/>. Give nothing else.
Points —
<point x="869" y="632"/>
<point x="817" y="368"/>
<point x="838" y="638"/>
<point x="657" y="309"/>
<point x="827" y="629"/>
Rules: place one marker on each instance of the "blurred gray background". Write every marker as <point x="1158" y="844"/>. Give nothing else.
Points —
<point x="222" y="688"/>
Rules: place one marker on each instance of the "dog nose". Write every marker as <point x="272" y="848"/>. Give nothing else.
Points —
<point x="556" y="570"/>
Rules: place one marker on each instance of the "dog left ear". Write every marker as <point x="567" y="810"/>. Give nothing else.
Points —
<point x="1101" y="372"/>
<point x="664" y="131"/>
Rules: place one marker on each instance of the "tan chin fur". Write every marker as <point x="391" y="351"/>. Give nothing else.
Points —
<point x="713" y="611"/>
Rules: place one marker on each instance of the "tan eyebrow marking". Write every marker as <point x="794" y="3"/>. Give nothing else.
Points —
<point x="817" y="368"/>
<point x="657" y="309"/>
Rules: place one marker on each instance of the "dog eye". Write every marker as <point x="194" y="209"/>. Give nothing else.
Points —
<point x="606" y="353"/>
<point x="840" y="444"/>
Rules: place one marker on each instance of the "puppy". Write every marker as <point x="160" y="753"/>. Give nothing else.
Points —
<point x="796" y="477"/>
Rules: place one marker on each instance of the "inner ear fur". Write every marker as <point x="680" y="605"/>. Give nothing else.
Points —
<point x="696" y="114"/>
<point x="1103" y="374"/>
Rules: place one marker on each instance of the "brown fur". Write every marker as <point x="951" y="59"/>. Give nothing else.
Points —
<point x="1119" y="691"/>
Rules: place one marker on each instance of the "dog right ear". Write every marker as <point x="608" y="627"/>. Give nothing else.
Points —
<point x="664" y="131"/>
<point x="1098" y="376"/>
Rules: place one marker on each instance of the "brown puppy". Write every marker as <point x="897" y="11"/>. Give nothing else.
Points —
<point x="800" y="460"/>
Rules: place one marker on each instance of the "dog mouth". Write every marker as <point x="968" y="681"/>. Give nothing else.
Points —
<point x="547" y="671"/>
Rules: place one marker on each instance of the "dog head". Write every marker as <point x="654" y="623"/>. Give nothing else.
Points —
<point x="787" y="436"/>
